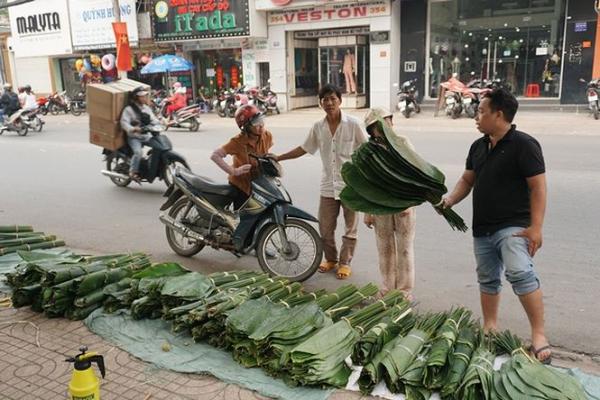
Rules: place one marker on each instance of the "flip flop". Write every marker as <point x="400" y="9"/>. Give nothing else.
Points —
<point x="343" y="272"/>
<point x="327" y="266"/>
<point x="536" y="352"/>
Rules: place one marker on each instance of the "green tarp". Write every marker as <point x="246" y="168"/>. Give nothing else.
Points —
<point x="144" y="338"/>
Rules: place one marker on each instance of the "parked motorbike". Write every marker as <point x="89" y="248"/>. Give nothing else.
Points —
<point x="407" y="98"/>
<point x="158" y="162"/>
<point x="157" y="99"/>
<point x="224" y="104"/>
<point x="58" y="102"/>
<point x="186" y="117"/>
<point x="77" y="104"/>
<point x="200" y="213"/>
<point x="32" y="119"/>
<point x="43" y="103"/>
<point x="266" y="100"/>
<point x="453" y="89"/>
<point x="593" y="91"/>
<point x="15" y="123"/>
<point x="242" y="98"/>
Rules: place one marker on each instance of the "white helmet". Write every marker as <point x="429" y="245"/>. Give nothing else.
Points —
<point x="376" y="113"/>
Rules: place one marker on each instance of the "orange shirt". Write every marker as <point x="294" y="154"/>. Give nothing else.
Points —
<point x="239" y="147"/>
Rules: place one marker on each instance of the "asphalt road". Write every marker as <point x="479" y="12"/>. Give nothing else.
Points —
<point x="51" y="180"/>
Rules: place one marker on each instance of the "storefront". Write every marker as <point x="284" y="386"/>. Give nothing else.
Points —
<point x="40" y="34"/>
<point x="518" y="41"/>
<point x="218" y="36"/>
<point x="354" y="46"/>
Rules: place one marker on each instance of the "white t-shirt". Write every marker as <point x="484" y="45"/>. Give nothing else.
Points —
<point x="30" y="102"/>
<point x="334" y="150"/>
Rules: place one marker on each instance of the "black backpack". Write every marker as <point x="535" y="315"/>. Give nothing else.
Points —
<point x="13" y="104"/>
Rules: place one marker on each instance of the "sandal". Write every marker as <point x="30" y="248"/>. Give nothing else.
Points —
<point x="535" y="352"/>
<point x="343" y="272"/>
<point x="327" y="266"/>
<point x="135" y="177"/>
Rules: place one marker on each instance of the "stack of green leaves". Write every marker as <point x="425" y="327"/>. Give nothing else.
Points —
<point x="458" y="361"/>
<point x="398" y="355"/>
<point x="20" y="237"/>
<point x="320" y="360"/>
<point x="386" y="176"/>
<point x="441" y="348"/>
<point x="372" y="342"/>
<point x="524" y="377"/>
<point x="146" y="292"/>
<point x="477" y="382"/>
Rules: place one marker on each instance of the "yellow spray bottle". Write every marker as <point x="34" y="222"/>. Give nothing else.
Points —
<point x="84" y="384"/>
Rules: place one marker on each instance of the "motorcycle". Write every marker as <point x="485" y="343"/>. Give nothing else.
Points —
<point x="186" y="117"/>
<point x="32" y="119"/>
<point x="407" y="98"/>
<point x="77" y="104"/>
<point x="242" y="98"/>
<point x="15" y="123"/>
<point x="157" y="163"/>
<point x="43" y="103"/>
<point x="58" y="102"/>
<point x="224" y="103"/>
<point x="593" y="90"/>
<point x="200" y="213"/>
<point x="453" y="89"/>
<point x="265" y="99"/>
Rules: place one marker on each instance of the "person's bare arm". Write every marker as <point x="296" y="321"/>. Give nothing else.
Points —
<point x="537" y="188"/>
<point x="218" y="157"/>
<point x="461" y="190"/>
<point x="292" y="154"/>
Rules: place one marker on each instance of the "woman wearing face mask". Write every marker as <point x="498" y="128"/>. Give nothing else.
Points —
<point x="253" y="139"/>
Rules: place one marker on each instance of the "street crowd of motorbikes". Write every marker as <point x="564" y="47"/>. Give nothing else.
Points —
<point x="227" y="102"/>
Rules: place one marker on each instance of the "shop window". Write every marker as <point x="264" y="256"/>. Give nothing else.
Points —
<point x="517" y="41"/>
<point x="306" y="71"/>
<point x="344" y="67"/>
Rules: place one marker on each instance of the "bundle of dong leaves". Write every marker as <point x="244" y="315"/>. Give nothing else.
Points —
<point x="304" y="338"/>
<point x="19" y="237"/>
<point x="387" y="177"/>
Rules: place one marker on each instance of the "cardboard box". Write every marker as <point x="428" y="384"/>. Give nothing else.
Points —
<point x="107" y="141"/>
<point x="107" y="100"/>
<point x="105" y="126"/>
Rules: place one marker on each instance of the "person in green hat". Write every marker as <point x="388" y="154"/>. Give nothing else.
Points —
<point x="395" y="233"/>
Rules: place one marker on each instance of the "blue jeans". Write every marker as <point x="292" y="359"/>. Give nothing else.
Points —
<point x="500" y="252"/>
<point x="136" y="145"/>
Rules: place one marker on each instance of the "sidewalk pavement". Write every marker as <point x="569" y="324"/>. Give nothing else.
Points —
<point x="33" y="349"/>
<point x="32" y="367"/>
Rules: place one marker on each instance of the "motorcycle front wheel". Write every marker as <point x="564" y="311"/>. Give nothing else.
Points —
<point x="54" y="109"/>
<point x="167" y="174"/>
<point x="301" y="260"/>
<point x="181" y="245"/>
<point x="21" y="128"/>
<point x="117" y="163"/>
<point x="596" y="111"/>
<point x="75" y="110"/>
<point x="38" y="124"/>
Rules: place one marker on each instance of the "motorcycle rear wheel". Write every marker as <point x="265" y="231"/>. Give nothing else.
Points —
<point x="194" y="125"/>
<point x="406" y="113"/>
<point x="176" y="239"/>
<point x="290" y="266"/>
<point x="116" y="163"/>
<point x="596" y="111"/>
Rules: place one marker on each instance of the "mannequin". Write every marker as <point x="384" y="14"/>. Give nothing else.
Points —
<point x="335" y="69"/>
<point x="349" y="70"/>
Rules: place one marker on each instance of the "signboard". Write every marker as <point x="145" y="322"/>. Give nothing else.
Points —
<point x="288" y="4"/>
<point x="331" y="12"/>
<point x="580" y="26"/>
<point x="379" y="37"/>
<point x="91" y="23"/>
<point x="176" y="20"/>
<point x="40" y="28"/>
<point x="352" y="31"/>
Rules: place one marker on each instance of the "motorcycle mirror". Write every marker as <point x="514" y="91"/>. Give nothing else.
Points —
<point x="582" y="80"/>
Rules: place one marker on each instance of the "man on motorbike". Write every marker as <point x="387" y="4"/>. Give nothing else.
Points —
<point x="9" y="102"/>
<point x="135" y="117"/>
<point x="253" y="139"/>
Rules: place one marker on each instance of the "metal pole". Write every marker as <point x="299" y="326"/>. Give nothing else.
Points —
<point x="117" y="13"/>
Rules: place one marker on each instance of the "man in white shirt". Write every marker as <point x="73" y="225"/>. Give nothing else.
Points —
<point x="30" y="102"/>
<point x="335" y="137"/>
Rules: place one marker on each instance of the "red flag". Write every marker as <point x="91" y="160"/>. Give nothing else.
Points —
<point x="123" y="50"/>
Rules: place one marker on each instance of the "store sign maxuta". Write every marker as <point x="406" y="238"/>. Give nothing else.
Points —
<point x="200" y="19"/>
<point x="330" y="12"/>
